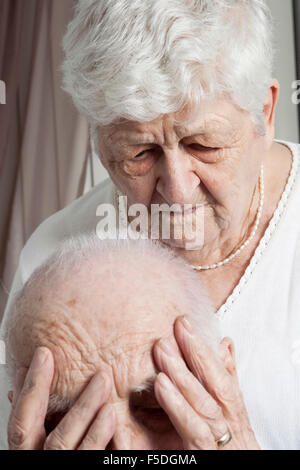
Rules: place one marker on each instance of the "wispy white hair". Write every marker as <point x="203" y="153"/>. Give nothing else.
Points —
<point x="157" y="271"/>
<point x="138" y="60"/>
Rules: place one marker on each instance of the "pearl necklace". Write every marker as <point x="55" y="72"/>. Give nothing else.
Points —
<point x="246" y="243"/>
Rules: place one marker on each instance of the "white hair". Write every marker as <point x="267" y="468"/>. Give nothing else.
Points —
<point x="138" y="60"/>
<point x="117" y="260"/>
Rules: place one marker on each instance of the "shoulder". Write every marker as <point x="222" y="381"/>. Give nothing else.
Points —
<point x="77" y="217"/>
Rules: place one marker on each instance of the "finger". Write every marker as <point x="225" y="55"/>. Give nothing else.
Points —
<point x="205" y="364"/>
<point x="72" y="428"/>
<point x="26" y="421"/>
<point x="192" y="429"/>
<point x="171" y="363"/>
<point x="18" y="384"/>
<point x="101" y="431"/>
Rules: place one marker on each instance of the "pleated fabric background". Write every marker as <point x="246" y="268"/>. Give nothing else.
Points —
<point x="44" y="144"/>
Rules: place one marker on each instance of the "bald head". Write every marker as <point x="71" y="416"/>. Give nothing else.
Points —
<point x="102" y="305"/>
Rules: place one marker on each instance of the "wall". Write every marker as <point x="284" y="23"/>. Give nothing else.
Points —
<point x="285" y="69"/>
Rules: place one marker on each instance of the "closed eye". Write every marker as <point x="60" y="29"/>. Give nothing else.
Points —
<point x="140" y="155"/>
<point x="198" y="147"/>
<point x="202" y="147"/>
<point x="154" y="419"/>
<point x="145" y="410"/>
<point x="52" y="421"/>
<point x="151" y="151"/>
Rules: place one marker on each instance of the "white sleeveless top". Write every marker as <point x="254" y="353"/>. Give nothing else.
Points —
<point x="262" y="315"/>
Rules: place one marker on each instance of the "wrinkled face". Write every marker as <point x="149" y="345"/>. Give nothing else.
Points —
<point x="142" y="424"/>
<point x="125" y="353"/>
<point x="214" y="160"/>
<point x="84" y="339"/>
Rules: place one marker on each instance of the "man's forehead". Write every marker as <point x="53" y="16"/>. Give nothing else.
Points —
<point x="123" y="349"/>
<point x="131" y="365"/>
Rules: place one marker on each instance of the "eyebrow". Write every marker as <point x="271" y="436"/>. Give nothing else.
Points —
<point x="132" y="137"/>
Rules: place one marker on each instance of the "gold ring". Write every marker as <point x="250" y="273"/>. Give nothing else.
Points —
<point x="224" y="440"/>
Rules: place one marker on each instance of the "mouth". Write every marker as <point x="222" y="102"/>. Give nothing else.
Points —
<point x="184" y="212"/>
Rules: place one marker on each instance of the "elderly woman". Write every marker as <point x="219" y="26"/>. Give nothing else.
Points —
<point x="181" y="102"/>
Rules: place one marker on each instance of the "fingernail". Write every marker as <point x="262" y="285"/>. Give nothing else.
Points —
<point x="164" y="381"/>
<point x="166" y="346"/>
<point x="100" y="380"/>
<point x="187" y="325"/>
<point x="39" y="358"/>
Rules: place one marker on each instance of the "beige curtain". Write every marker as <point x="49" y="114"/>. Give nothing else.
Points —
<point x="44" y="144"/>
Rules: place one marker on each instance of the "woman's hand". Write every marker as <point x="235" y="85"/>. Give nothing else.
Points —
<point x="89" y="424"/>
<point x="199" y="391"/>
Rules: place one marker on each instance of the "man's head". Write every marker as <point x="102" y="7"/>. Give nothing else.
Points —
<point x="101" y="306"/>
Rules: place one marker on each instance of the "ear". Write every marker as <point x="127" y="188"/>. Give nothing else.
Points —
<point x="95" y="141"/>
<point x="269" y="109"/>
<point x="227" y="355"/>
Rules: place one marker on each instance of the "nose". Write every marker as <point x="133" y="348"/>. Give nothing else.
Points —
<point x="177" y="180"/>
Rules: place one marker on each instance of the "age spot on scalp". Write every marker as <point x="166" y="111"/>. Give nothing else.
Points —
<point x="72" y="302"/>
